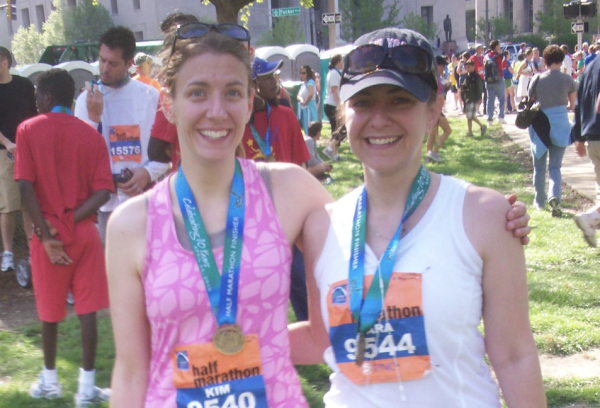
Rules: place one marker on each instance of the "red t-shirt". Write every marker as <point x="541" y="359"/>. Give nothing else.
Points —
<point x="164" y="130"/>
<point x="66" y="160"/>
<point x="286" y="137"/>
<point x="479" y="67"/>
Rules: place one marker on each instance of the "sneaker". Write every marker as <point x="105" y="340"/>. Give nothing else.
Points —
<point x="502" y="121"/>
<point x="7" y="261"/>
<point x="42" y="390"/>
<point x="328" y="152"/>
<point x="434" y="156"/>
<point x="588" y="226"/>
<point x="469" y="134"/>
<point x="555" y="206"/>
<point x="490" y="123"/>
<point x="483" y="130"/>
<point x="99" y="395"/>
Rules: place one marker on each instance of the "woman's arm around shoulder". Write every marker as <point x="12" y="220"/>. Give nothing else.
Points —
<point x="508" y="338"/>
<point x="125" y="252"/>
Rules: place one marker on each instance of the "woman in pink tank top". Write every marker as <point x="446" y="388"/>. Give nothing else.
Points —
<point x="198" y="321"/>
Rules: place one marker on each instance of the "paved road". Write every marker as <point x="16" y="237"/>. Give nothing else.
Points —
<point x="577" y="172"/>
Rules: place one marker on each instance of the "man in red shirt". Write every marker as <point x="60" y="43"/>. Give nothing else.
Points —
<point x="64" y="175"/>
<point x="480" y="69"/>
<point x="273" y="133"/>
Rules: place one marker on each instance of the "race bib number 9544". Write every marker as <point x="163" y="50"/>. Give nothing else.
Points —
<point x="399" y="340"/>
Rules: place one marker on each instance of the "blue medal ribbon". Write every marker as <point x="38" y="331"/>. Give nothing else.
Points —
<point x="222" y="288"/>
<point x="61" y="109"/>
<point x="263" y="144"/>
<point x="366" y="312"/>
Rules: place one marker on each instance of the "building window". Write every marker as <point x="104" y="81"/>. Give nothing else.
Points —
<point x="114" y="7"/>
<point x="136" y="5"/>
<point x="508" y="9"/>
<point x="139" y="35"/>
<point x="25" y="16"/>
<point x="41" y="16"/>
<point x="72" y="3"/>
<point x="427" y="14"/>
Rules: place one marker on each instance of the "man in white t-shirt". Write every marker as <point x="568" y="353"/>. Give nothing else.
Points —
<point x="567" y="64"/>
<point x="123" y="111"/>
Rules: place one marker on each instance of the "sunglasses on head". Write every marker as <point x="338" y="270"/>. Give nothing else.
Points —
<point x="195" y="30"/>
<point x="407" y="59"/>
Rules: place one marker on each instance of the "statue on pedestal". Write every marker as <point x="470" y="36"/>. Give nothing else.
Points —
<point x="448" y="28"/>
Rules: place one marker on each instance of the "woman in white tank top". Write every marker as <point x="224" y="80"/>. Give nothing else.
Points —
<point x="404" y="268"/>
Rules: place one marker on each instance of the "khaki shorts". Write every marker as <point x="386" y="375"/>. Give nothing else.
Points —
<point x="10" y="196"/>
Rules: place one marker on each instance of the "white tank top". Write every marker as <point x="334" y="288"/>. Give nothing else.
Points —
<point x="438" y="249"/>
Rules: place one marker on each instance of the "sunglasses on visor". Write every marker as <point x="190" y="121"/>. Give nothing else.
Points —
<point x="195" y="30"/>
<point x="407" y="59"/>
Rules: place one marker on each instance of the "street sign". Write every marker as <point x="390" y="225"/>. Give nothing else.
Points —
<point x="332" y="18"/>
<point x="577" y="28"/>
<point x="285" y="12"/>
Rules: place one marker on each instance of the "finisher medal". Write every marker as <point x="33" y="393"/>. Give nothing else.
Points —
<point x="228" y="339"/>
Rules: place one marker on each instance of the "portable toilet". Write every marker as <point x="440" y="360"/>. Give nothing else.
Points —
<point x="33" y="71"/>
<point x="81" y="72"/>
<point x="303" y="54"/>
<point x="95" y="67"/>
<point x="276" y="53"/>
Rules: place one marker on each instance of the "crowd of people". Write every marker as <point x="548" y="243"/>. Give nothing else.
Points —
<point x="206" y="196"/>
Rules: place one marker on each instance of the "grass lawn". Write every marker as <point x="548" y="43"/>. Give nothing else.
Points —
<point x="564" y="284"/>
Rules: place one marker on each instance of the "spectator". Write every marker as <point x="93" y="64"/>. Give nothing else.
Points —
<point x="143" y="66"/>
<point x="585" y="48"/>
<point x="434" y="141"/>
<point x="495" y="89"/>
<point x="591" y="55"/>
<point x="462" y="76"/>
<point x="507" y="74"/>
<point x="123" y="111"/>
<point x="307" y="104"/>
<point x="478" y="60"/>
<point x="64" y="174"/>
<point x="524" y="74"/>
<point x="578" y="57"/>
<point x="284" y="95"/>
<point x="332" y="103"/>
<point x="567" y="65"/>
<point x="453" y="72"/>
<point x="17" y="103"/>
<point x="472" y="89"/>
<point x="316" y="166"/>
<point x="586" y="130"/>
<point x="522" y="48"/>
<point x="538" y="62"/>
<point x="554" y="91"/>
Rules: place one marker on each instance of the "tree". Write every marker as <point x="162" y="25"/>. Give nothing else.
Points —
<point x="286" y="31"/>
<point x="86" y="22"/>
<point x="228" y="10"/>
<point x="54" y="28"/>
<point x="551" y="20"/>
<point x="361" y="17"/>
<point x="417" y="23"/>
<point x="27" y="45"/>
<point x="500" y="28"/>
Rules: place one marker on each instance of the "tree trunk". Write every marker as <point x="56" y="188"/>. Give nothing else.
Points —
<point x="228" y="10"/>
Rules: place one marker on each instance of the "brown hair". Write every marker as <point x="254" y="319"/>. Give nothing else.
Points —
<point x="334" y="61"/>
<point x="211" y="43"/>
<point x="553" y="54"/>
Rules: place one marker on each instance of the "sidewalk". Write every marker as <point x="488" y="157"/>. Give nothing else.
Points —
<point x="577" y="172"/>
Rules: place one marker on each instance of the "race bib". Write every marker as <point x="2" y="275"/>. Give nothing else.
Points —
<point x="399" y="340"/>
<point x="125" y="143"/>
<point x="205" y="378"/>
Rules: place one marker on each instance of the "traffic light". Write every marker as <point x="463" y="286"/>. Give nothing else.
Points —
<point x="11" y="10"/>
<point x="319" y="39"/>
<point x="571" y="10"/>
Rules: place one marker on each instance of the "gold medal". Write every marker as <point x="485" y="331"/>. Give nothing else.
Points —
<point x="228" y="339"/>
<point x="360" y="349"/>
<point x="270" y="158"/>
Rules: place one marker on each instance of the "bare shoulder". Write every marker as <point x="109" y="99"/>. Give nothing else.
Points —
<point x="484" y="216"/>
<point x="126" y="236"/>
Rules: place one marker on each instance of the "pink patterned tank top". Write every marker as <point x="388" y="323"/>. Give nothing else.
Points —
<point x="177" y="304"/>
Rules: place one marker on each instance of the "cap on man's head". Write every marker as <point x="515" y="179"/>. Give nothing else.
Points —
<point x="260" y="67"/>
<point x="420" y="85"/>
<point x="141" y="58"/>
<point x="478" y="46"/>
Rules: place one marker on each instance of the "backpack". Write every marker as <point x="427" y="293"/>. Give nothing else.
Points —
<point x="492" y="72"/>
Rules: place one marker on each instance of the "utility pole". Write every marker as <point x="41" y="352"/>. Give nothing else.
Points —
<point x="487" y="25"/>
<point x="332" y="27"/>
